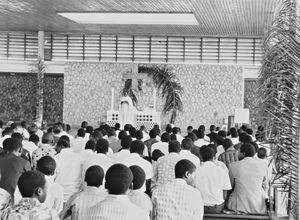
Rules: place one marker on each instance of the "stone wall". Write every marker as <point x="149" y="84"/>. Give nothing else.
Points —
<point x="211" y="92"/>
<point x="18" y="97"/>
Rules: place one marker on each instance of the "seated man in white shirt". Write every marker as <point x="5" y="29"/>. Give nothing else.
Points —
<point x="247" y="177"/>
<point x="6" y="133"/>
<point x="212" y="181"/>
<point x="125" y="151"/>
<point x="93" y="193"/>
<point x="135" y="158"/>
<point x="78" y="144"/>
<point x="178" y="200"/>
<point x="177" y="132"/>
<point x="136" y="194"/>
<point x="88" y="131"/>
<point x="117" y="204"/>
<point x="165" y="167"/>
<point x="55" y="194"/>
<point x="104" y="161"/>
<point x="69" y="170"/>
<point x="163" y="145"/>
<point x="185" y="153"/>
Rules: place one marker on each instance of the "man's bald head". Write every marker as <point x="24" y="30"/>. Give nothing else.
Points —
<point x="48" y="138"/>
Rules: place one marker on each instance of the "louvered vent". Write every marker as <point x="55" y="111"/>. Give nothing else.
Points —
<point x="125" y="48"/>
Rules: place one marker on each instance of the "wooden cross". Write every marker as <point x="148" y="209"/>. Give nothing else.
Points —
<point x="134" y="75"/>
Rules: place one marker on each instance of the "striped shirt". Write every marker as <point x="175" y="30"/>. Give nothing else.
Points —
<point x="229" y="156"/>
<point x="177" y="200"/>
<point x="116" y="207"/>
<point x="80" y="202"/>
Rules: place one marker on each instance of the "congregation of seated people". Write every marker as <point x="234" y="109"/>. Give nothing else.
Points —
<point x="109" y="173"/>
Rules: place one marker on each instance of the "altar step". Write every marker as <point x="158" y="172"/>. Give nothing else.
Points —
<point x="235" y="217"/>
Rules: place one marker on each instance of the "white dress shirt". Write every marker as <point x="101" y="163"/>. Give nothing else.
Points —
<point x="29" y="146"/>
<point x="78" y="144"/>
<point x="248" y="195"/>
<point x="141" y="199"/>
<point x="80" y="202"/>
<point x="91" y="158"/>
<point x="121" y="155"/>
<point x="162" y="146"/>
<point x="201" y="142"/>
<point x="69" y="168"/>
<point x="186" y="154"/>
<point x="115" y="207"/>
<point x="136" y="159"/>
<point x="179" y="138"/>
<point x="211" y="180"/>
<point x="177" y="200"/>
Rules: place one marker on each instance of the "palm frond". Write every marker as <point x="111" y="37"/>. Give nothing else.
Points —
<point x="165" y="80"/>
<point x="278" y="96"/>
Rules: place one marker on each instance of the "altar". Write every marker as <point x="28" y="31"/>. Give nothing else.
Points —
<point x="148" y="117"/>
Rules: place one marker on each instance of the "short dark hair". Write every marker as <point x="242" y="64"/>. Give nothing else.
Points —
<point x="173" y="137"/>
<point x="14" y="125"/>
<point x="18" y="136"/>
<point x="118" y="179"/>
<point x="233" y="132"/>
<point x="23" y="124"/>
<point x="190" y="127"/>
<point x="68" y="127"/>
<point x="137" y="146"/>
<point x="222" y="133"/>
<point x="47" y="138"/>
<point x="34" y="138"/>
<point x="207" y="153"/>
<point x="227" y="143"/>
<point x="30" y="181"/>
<point x="89" y="129"/>
<point x="91" y="145"/>
<point x="81" y="132"/>
<point x="174" y="146"/>
<point x="111" y="132"/>
<point x="12" y="144"/>
<point x="169" y="129"/>
<point x="102" y="146"/>
<point x="255" y="145"/>
<point x="117" y="126"/>
<point x="126" y="142"/>
<point x="248" y="150"/>
<point x="7" y="131"/>
<point x="94" y="176"/>
<point x="165" y="137"/>
<point x="132" y="131"/>
<point x="84" y="124"/>
<point x="212" y="128"/>
<point x="156" y="154"/>
<point x="65" y="137"/>
<point x="46" y="165"/>
<point x="182" y="167"/>
<point x="122" y="134"/>
<point x="201" y="134"/>
<point x="175" y="130"/>
<point x="152" y="133"/>
<point x="139" y="135"/>
<point x="142" y="128"/>
<point x="96" y="135"/>
<point x="127" y="127"/>
<point x="249" y="131"/>
<point x="187" y="144"/>
<point x="63" y="143"/>
<point x="192" y="136"/>
<point x="1" y="123"/>
<point x="139" y="177"/>
<point x="262" y="153"/>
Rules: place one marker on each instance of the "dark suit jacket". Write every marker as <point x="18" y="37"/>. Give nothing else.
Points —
<point x="12" y="167"/>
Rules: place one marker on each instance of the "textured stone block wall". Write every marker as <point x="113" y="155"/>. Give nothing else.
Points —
<point x="211" y="92"/>
<point x="18" y="97"/>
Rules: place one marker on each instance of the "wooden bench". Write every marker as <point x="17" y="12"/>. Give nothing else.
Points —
<point x="235" y="217"/>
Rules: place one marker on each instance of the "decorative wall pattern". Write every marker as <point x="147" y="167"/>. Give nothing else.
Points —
<point x="211" y="92"/>
<point x="18" y="97"/>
